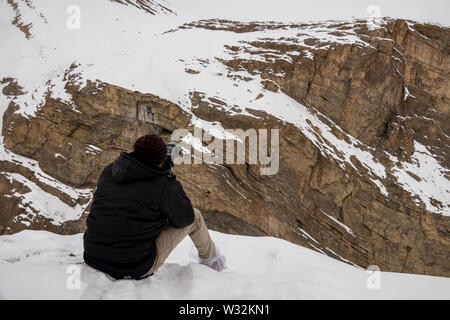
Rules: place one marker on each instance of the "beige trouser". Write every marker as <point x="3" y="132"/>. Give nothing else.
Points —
<point x="170" y="237"/>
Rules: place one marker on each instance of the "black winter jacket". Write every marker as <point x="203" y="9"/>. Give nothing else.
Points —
<point x="132" y="204"/>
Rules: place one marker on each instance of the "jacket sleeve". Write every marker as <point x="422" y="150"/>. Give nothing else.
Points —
<point x="176" y="206"/>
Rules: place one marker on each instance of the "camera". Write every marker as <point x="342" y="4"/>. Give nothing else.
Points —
<point x="173" y="152"/>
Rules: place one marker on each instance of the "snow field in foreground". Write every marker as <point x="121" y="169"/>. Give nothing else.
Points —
<point x="43" y="265"/>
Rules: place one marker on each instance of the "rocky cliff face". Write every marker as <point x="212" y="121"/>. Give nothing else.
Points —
<point x="363" y="118"/>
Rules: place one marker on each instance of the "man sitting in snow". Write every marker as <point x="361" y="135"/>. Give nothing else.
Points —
<point x="140" y="213"/>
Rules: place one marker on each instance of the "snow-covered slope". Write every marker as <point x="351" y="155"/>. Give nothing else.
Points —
<point x="148" y="52"/>
<point x="163" y="49"/>
<point x="42" y="265"/>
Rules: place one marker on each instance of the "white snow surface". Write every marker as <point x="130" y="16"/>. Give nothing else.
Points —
<point x="257" y="268"/>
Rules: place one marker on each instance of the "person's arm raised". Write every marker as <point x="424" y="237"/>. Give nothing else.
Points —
<point x="176" y="206"/>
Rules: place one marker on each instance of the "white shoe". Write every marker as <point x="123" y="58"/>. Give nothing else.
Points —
<point x="216" y="262"/>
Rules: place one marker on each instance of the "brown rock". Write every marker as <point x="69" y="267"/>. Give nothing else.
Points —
<point x="387" y="96"/>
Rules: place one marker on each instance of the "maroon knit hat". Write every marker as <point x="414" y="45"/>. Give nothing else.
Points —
<point x="152" y="147"/>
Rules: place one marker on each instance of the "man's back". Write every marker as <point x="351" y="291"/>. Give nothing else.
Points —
<point x="132" y="204"/>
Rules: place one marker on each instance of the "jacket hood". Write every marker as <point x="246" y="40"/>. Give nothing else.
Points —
<point x="127" y="168"/>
